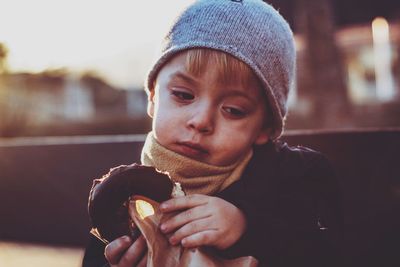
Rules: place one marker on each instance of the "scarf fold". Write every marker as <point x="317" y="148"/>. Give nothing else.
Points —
<point x="195" y="177"/>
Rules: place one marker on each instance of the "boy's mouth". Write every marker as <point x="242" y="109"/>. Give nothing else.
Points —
<point x="191" y="150"/>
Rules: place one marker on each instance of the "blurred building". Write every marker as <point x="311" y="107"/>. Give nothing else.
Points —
<point x="59" y="99"/>
<point x="364" y="100"/>
<point x="347" y="73"/>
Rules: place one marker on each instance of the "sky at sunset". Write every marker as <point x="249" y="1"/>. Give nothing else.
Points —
<point x="116" y="38"/>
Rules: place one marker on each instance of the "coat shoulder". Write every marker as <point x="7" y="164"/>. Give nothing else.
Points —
<point x="290" y="162"/>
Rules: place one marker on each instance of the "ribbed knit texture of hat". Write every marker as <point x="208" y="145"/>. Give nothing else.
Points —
<point x="250" y="30"/>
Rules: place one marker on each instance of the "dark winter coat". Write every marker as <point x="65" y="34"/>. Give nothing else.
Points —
<point x="292" y="205"/>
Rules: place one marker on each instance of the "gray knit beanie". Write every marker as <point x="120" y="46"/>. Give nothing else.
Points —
<point x="249" y="30"/>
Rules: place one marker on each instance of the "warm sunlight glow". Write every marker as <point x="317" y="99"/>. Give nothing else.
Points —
<point x="382" y="54"/>
<point x="143" y="208"/>
<point x="380" y="29"/>
<point x="116" y="38"/>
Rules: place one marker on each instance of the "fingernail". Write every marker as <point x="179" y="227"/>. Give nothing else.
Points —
<point x="163" y="227"/>
<point x="126" y="238"/>
<point x="163" y="206"/>
<point x="184" y="242"/>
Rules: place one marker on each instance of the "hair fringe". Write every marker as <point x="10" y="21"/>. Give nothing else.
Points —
<point x="230" y="70"/>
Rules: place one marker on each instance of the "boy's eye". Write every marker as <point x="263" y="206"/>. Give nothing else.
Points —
<point x="235" y="112"/>
<point x="183" y="95"/>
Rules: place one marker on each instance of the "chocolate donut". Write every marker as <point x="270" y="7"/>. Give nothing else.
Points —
<point x="107" y="209"/>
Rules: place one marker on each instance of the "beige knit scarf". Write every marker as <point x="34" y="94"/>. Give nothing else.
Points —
<point x="195" y="177"/>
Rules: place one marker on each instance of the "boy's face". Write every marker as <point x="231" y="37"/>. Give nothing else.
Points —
<point x="204" y="120"/>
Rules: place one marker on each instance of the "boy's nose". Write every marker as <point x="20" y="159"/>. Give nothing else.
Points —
<point x="202" y="120"/>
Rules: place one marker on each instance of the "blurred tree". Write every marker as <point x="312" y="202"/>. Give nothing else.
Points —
<point x="3" y="58"/>
<point x="323" y="77"/>
<point x="13" y="103"/>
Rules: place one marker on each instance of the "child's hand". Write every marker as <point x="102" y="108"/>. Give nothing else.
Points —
<point x="122" y="252"/>
<point x="205" y="220"/>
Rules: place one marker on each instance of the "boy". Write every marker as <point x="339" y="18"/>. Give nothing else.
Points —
<point x="217" y="98"/>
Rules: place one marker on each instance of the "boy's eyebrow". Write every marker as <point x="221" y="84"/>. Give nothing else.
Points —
<point x="244" y="95"/>
<point x="185" y="77"/>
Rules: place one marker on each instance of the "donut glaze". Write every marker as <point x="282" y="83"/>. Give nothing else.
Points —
<point x="107" y="199"/>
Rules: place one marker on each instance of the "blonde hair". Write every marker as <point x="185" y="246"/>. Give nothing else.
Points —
<point x="230" y="70"/>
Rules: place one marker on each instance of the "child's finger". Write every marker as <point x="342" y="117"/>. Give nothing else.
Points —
<point x="207" y="237"/>
<point x="190" y="229"/>
<point x="143" y="261"/>
<point x="134" y="254"/>
<point x="185" y="217"/>
<point x="184" y="202"/>
<point x="116" y="248"/>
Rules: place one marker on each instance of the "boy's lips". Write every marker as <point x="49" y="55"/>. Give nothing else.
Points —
<point x="191" y="150"/>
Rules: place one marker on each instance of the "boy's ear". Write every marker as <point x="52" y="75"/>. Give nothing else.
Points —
<point x="263" y="137"/>
<point x="150" y="104"/>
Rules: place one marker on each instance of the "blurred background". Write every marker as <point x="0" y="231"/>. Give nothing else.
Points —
<point x="77" y="67"/>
